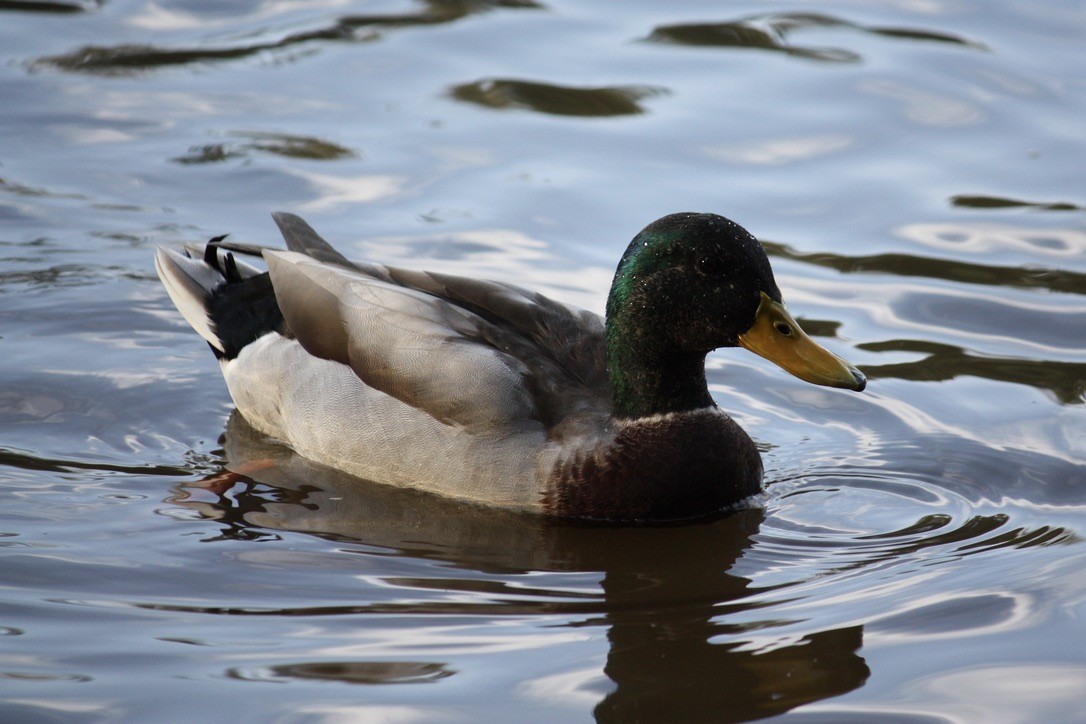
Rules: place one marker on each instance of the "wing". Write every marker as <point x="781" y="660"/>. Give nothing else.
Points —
<point x="485" y="355"/>
<point x="573" y="337"/>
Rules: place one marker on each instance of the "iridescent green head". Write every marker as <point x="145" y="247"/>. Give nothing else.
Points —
<point x="694" y="279"/>
<point x="688" y="284"/>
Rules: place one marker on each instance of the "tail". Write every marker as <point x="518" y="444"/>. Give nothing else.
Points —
<point x="227" y="302"/>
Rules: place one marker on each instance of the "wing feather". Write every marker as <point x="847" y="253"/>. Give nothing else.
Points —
<point x="423" y="351"/>
<point x="472" y="352"/>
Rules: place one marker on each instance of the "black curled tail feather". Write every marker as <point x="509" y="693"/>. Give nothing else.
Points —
<point x="228" y="303"/>
<point x="242" y="310"/>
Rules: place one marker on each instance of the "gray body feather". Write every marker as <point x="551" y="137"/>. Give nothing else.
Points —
<point x="468" y="388"/>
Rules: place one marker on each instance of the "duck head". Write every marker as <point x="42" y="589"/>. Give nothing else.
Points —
<point x="690" y="283"/>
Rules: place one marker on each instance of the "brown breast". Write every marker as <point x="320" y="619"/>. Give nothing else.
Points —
<point x="667" y="467"/>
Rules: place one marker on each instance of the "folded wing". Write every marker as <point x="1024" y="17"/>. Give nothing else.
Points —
<point x="483" y="355"/>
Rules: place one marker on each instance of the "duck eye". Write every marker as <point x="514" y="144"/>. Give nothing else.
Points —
<point x="783" y="329"/>
<point x="709" y="265"/>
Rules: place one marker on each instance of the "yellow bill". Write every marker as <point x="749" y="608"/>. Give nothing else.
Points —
<point x="776" y="336"/>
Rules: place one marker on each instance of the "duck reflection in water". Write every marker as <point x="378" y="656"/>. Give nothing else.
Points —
<point x="667" y="594"/>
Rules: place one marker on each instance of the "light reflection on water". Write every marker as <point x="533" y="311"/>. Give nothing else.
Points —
<point x="915" y="174"/>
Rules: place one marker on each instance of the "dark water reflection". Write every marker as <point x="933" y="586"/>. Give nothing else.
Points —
<point x="1065" y="380"/>
<point x="553" y="99"/>
<point x="681" y="617"/>
<point x="130" y="58"/>
<point x="913" y="265"/>
<point x="45" y="6"/>
<point x="774" y="32"/>
<point x="280" y="144"/>
<point x="666" y="620"/>
<point x="349" y="672"/>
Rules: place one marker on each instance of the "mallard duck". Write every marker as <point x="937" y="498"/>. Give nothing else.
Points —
<point x="488" y="392"/>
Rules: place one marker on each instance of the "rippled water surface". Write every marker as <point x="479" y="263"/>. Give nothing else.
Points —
<point x="916" y="170"/>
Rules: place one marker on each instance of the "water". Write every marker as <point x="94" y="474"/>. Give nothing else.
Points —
<point x="915" y="170"/>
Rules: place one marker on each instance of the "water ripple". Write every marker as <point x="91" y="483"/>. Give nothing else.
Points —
<point x="1002" y="202"/>
<point x="278" y="144"/>
<point x="349" y="672"/>
<point x="1065" y="380"/>
<point x="50" y="6"/>
<point x="953" y="270"/>
<point x="773" y="32"/>
<point x="133" y="58"/>
<point x="554" y="99"/>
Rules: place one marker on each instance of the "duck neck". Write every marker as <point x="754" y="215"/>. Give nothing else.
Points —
<point x="647" y="378"/>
